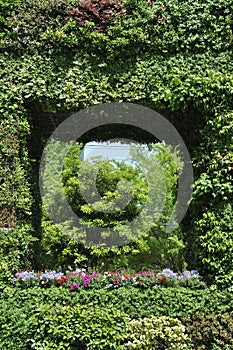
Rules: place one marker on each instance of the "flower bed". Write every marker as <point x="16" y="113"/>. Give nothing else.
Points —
<point x="82" y="279"/>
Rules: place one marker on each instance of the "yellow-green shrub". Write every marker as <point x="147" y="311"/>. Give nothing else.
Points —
<point x="156" y="332"/>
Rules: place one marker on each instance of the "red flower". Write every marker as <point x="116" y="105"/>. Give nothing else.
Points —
<point x="62" y="280"/>
<point x="161" y="279"/>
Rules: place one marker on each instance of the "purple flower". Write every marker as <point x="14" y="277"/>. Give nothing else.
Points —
<point x="169" y="273"/>
<point x="24" y="275"/>
<point x="74" y="286"/>
<point x="51" y="275"/>
<point x="86" y="280"/>
<point x="187" y="275"/>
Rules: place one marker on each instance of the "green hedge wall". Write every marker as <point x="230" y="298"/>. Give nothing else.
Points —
<point x="137" y="303"/>
<point x="56" y="318"/>
<point x="175" y="57"/>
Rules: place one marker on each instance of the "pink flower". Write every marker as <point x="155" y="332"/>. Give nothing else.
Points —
<point x="74" y="286"/>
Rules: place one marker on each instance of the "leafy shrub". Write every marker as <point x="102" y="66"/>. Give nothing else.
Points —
<point x="209" y="332"/>
<point x="136" y="302"/>
<point x="216" y="243"/>
<point x="212" y="195"/>
<point x="16" y="249"/>
<point x="156" y="333"/>
<point x="57" y="326"/>
<point x="82" y="327"/>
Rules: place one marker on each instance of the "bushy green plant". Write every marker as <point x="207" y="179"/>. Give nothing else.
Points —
<point x="136" y="302"/>
<point x="212" y="200"/>
<point x="216" y="239"/>
<point x="82" y="327"/>
<point x="156" y="333"/>
<point x="16" y="250"/>
<point x="58" y="326"/>
<point x="16" y="232"/>
<point x="209" y="332"/>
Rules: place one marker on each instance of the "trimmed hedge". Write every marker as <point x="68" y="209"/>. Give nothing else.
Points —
<point x="172" y="302"/>
<point x="56" y="318"/>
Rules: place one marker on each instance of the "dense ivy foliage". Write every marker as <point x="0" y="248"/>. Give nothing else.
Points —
<point x="176" y="57"/>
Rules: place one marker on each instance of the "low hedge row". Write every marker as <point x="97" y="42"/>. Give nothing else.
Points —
<point x="55" y="318"/>
<point x="135" y="302"/>
<point x="89" y="327"/>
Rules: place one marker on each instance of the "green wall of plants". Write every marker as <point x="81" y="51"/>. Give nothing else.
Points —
<point x="175" y="57"/>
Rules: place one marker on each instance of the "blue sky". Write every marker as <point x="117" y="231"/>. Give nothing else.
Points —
<point x="113" y="150"/>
